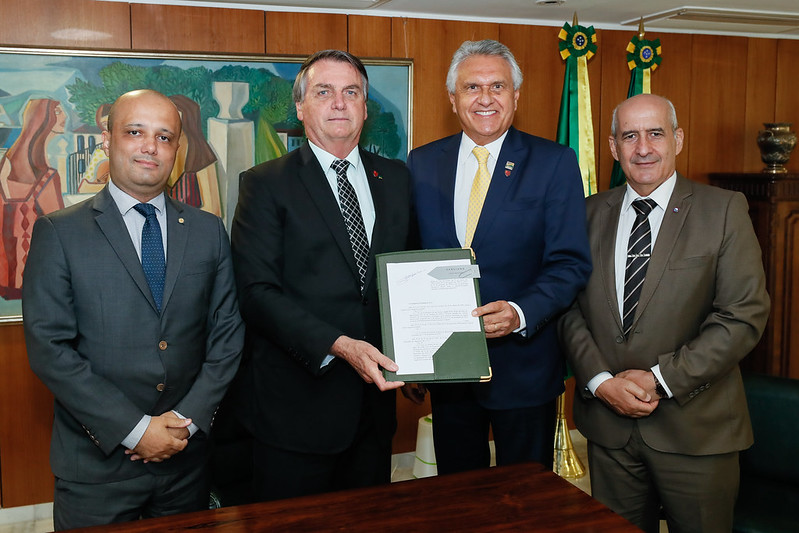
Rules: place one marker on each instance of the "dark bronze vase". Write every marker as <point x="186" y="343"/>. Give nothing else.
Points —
<point x="776" y="143"/>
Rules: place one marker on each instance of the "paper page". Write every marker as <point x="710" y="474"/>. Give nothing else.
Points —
<point x="427" y="305"/>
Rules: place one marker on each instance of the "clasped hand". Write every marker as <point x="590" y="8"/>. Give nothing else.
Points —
<point x="165" y="436"/>
<point x="630" y="393"/>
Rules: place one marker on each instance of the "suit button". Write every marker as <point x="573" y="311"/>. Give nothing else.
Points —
<point x="162" y="345"/>
<point x="365" y="301"/>
<point x="619" y="339"/>
<point x="160" y="387"/>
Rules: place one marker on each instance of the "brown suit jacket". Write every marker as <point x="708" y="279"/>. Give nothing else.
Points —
<point x="703" y="307"/>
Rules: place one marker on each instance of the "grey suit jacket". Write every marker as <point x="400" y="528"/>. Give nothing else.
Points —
<point x="95" y="338"/>
<point x="703" y="307"/>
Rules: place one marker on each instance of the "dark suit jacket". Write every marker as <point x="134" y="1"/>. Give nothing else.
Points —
<point x="703" y="307"/>
<point x="299" y="291"/>
<point x="530" y="243"/>
<point x="95" y="338"/>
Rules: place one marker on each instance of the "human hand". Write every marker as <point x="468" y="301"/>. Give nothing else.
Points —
<point x="415" y="392"/>
<point x="367" y="361"/>
<point x="499" y="318"/>
<point x="626" y="397"/>
<point x="159" y="442"/>
<point x="643" y="378"/>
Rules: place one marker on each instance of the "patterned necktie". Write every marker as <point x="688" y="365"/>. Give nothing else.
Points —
<point x="152" y="252"/>
<point x="482" y="179"/>
<point x="351" y="210"/>
<point x="639" y="248"/>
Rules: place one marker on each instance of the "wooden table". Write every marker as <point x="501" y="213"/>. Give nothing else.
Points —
<point x="524" y="497"/>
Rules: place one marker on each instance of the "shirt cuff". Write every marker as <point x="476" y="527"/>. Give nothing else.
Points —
<point x="191" y="427"/>
<point x="598" y="380"/>
<point x="328" y="358"/>
<point x="522" y="329"/>
<point x="656" y="370"/>
<point x="133" y="438"/>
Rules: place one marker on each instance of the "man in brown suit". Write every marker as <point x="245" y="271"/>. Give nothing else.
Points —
<point x="659" y="395"/>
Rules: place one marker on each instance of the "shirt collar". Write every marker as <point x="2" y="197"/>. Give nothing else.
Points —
<point x="661" y="195"/>
<point x="125" y="202"/>
<point x="326" y="159"/>
<point x="494" y="147"/>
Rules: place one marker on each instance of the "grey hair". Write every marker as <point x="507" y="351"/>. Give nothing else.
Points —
<point x="614" y="123"/>
<point x="487" y="47"/>
<point x="301" y="81"/>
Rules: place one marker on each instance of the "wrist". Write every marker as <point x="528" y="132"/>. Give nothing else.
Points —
<point x="659" y="390"/>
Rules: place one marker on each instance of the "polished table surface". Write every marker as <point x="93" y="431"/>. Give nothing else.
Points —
<point x="524" y="497"/>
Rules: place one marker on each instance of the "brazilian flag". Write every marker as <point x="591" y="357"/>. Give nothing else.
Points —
<point x="643" y="57"/>
<point x="575" y="126"/>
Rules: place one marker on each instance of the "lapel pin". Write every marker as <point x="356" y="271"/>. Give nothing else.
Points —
<point x="377" y="175"/>
<point x="509" y="167"/>
<point x="676" y="209"/>
<point x="180" y="220"/>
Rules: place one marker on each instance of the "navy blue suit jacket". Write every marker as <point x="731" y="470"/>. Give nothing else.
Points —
<point x="531" y="246"/>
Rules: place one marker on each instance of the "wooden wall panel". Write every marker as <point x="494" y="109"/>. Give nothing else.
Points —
<point x="304" y="33"/>
<point x="369" y="36"/>
<point x="197" y="29"/>
<point x="787" y="91"/>
<point x="615" y="77"/>
<point x="65" y="23"/>
<point x="536" y="51"/>
<point x="418" y="39"/>
<point x="718" y="102"/>
<point x="26" y="421"/>
<point x="761" y="71"/>
<point x="674" y="81"/>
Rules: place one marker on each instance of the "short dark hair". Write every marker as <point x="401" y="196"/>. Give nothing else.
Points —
<point x="301" y="81"/>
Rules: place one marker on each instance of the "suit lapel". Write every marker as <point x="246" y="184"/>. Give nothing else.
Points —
<point x="314" y="180"/>
<point x="177" y="236"/>
<point x="673" y="221"/>
<point x="609" y="218"/>
<point x="513" y="151"/>
<point x="377" y="187"/>
<point x="113" y="227"/>
<point x="447" y="169"/>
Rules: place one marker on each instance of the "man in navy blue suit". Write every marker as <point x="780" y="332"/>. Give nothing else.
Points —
<point x="517" y="201"/>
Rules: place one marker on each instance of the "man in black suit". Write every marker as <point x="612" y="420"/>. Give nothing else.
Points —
<point x="127" y="354"/>
<point x="305" y="233"/>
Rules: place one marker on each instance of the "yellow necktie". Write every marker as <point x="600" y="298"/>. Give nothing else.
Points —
<point x="478" y="195"/>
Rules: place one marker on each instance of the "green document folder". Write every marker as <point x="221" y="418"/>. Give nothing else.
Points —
<point x="463" y="357"/>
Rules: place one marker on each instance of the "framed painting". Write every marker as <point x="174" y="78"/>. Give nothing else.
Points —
<point x="237" y="111"/>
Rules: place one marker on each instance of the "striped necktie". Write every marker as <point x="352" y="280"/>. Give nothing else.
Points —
<point x="639" y="248"/>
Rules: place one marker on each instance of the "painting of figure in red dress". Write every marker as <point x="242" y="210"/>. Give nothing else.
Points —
<point x="29" y="187"/>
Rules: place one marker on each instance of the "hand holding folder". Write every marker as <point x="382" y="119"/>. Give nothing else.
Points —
<point x="426" y="300"/>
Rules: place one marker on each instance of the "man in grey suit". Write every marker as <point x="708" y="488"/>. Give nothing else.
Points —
<point x="677" y="298"/>
<point x="137" y="355"/>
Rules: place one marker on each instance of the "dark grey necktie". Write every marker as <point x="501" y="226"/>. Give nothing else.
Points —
<point x="152" y="252"/>
<point x="351" y="210"/>
<point x="639" y="248"/>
